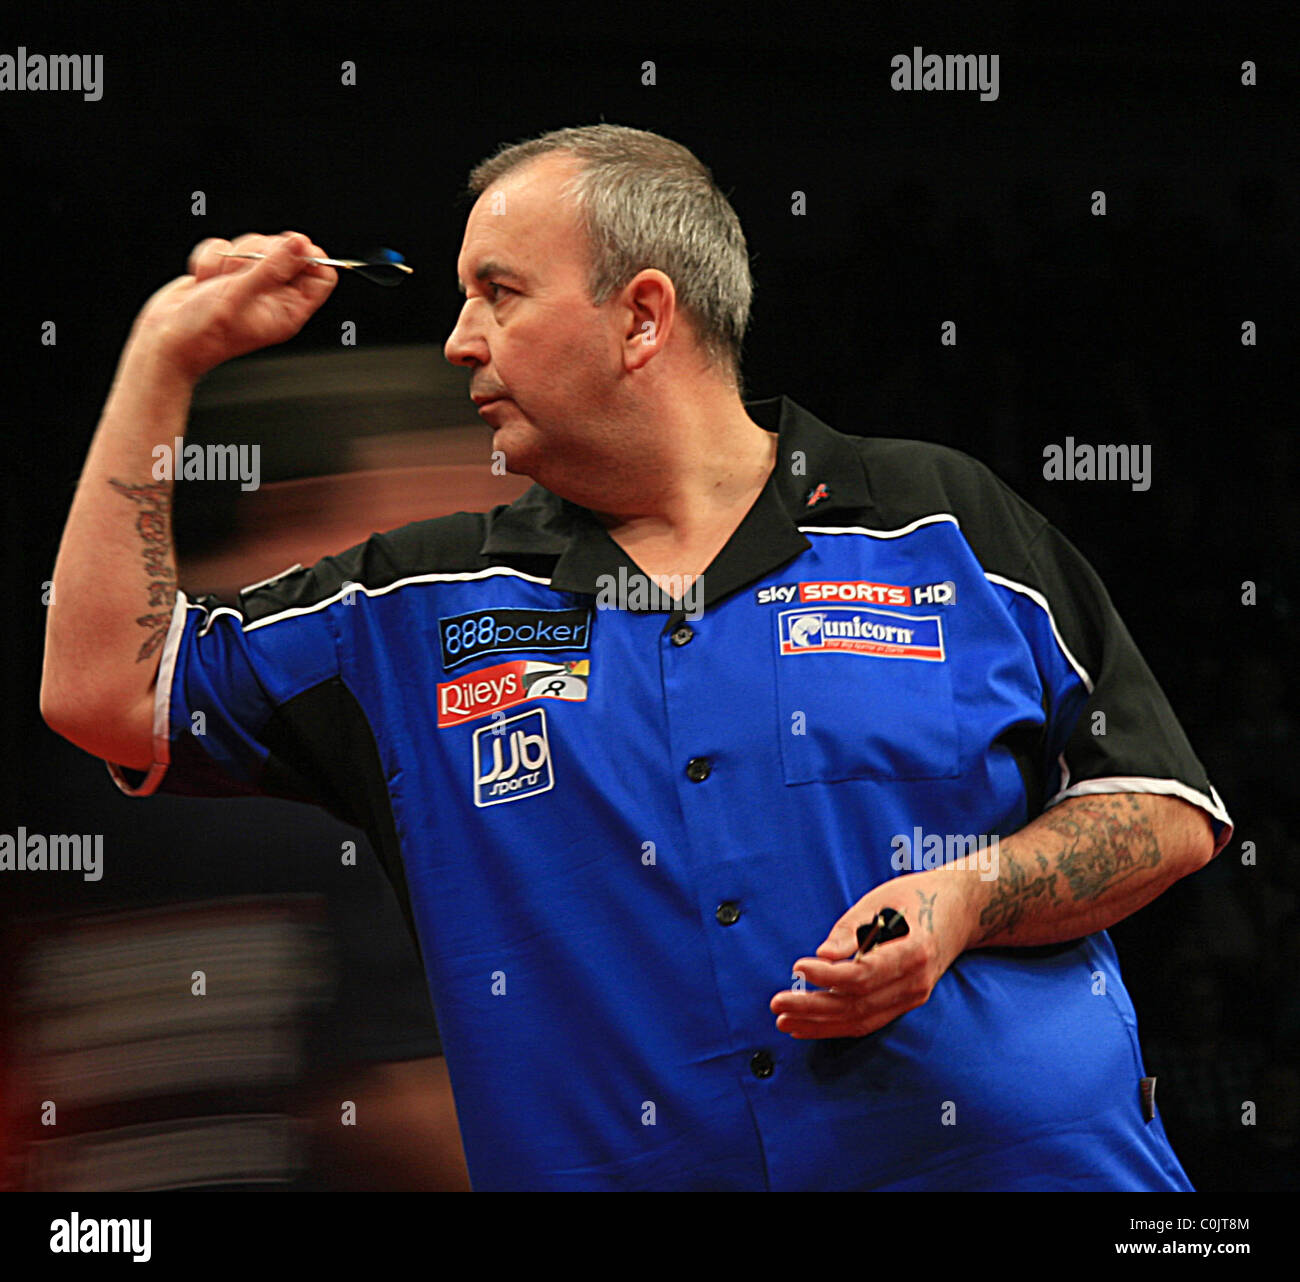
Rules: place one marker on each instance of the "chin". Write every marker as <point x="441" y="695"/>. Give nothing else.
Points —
<point x="522" y="455"/>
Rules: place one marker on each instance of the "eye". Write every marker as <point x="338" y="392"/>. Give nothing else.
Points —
<point x="492" y="284"/>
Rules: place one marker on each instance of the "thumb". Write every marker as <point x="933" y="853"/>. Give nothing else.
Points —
<point x="282" y="263"/>
<point x="841" y="942"/>
<point x="286" y="260"/>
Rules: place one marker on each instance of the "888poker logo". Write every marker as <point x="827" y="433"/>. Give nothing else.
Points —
<point x="465" y="637"/>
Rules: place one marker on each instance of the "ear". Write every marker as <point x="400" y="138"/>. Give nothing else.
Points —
<point x="649" y="306"/>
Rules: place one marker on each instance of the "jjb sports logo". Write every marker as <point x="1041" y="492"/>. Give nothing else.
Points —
<point x="512" y="759"/>
<point x="856" y="630"/>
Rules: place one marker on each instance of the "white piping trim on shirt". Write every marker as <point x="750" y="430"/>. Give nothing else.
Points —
<point x="349" y="588"/>
<point x="162" y="709"/>
<point x="1031" y="593"/>
<point x="880" y="534"/>
<point x="1212" y="805"/>
<point x="262" y="583"/>
<point x="1040" y="600"/>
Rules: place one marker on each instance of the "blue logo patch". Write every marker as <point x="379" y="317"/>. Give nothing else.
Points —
<point x="512" y="759"/>
<point x="465" y="637"/>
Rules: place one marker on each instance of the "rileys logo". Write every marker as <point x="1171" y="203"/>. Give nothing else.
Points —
<point x="859" y="590"/>
<point x="487" y="690"/>
<point x="512" y="759"/>
<point x="855" y="630"/>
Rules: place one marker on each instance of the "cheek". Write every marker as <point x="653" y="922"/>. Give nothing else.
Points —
<point x="592" y="353"/>
<point x="562" y="356"/>
<point x="549" y="355"/>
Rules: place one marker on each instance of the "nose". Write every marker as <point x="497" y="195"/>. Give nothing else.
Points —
<point x="465" y="344"/>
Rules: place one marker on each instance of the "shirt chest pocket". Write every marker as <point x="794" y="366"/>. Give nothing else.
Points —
<point x="864" y="695"/>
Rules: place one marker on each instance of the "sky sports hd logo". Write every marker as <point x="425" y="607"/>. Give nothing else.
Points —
<point x="512" y="759"/>
<point x="859" y="591"/>
<point x="858" y="630"/>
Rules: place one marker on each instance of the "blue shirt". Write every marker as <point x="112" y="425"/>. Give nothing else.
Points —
<point x="615" y="829"/>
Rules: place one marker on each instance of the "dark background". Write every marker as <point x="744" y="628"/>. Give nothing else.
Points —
<point x="922" y="207"/>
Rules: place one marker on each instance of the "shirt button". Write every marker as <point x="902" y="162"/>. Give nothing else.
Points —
<point x="683" y="635"/>
<point x="698" y="769"/>
<point x="761" y="1064"/>
<point x="727" y="913"/>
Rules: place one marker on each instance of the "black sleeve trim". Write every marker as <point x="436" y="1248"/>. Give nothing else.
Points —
<point x="336" y="765"/>
<point x="445" y="544"/>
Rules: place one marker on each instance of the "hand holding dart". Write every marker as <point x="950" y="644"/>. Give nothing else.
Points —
<point x="887" y="924"/>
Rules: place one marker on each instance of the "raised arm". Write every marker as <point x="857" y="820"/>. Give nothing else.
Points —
<point x="114" y="584"/>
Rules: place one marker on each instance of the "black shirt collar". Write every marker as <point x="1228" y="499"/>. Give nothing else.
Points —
<point x="818" y="479"/>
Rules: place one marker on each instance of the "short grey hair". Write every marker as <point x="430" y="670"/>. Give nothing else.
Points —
<point x="647" y="201"/>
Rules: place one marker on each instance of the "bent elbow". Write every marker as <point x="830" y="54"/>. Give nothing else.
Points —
<point x="122" y="735"/>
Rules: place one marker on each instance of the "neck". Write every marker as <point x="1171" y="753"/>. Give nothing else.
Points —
<point x="678" y="472"/>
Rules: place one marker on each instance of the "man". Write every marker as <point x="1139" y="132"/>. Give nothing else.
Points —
<point x="628" y="837"/>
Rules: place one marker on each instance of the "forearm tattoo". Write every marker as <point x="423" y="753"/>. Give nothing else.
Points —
<point x="1108" y="840"/>
<point x="154" y="528"/>
<point x="1099" y="843"/>
<point x="1016" y="885"/>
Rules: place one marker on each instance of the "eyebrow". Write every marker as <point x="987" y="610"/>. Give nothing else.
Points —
<point x="491" y="268"/>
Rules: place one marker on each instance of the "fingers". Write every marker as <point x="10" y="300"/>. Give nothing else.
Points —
<point x="286" y="256"/>
<point x="842" y="1003"/>
<point x="844" y="1014"/>
<point x="812" y="1030"/>
<point x="859" y="996"/>
<point x="205" y="259"/>
<point x="839" y="1007"/>
<point x="881" y="966"/>
<point x="314" y="271"/>
<point x="283" y="259"/>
